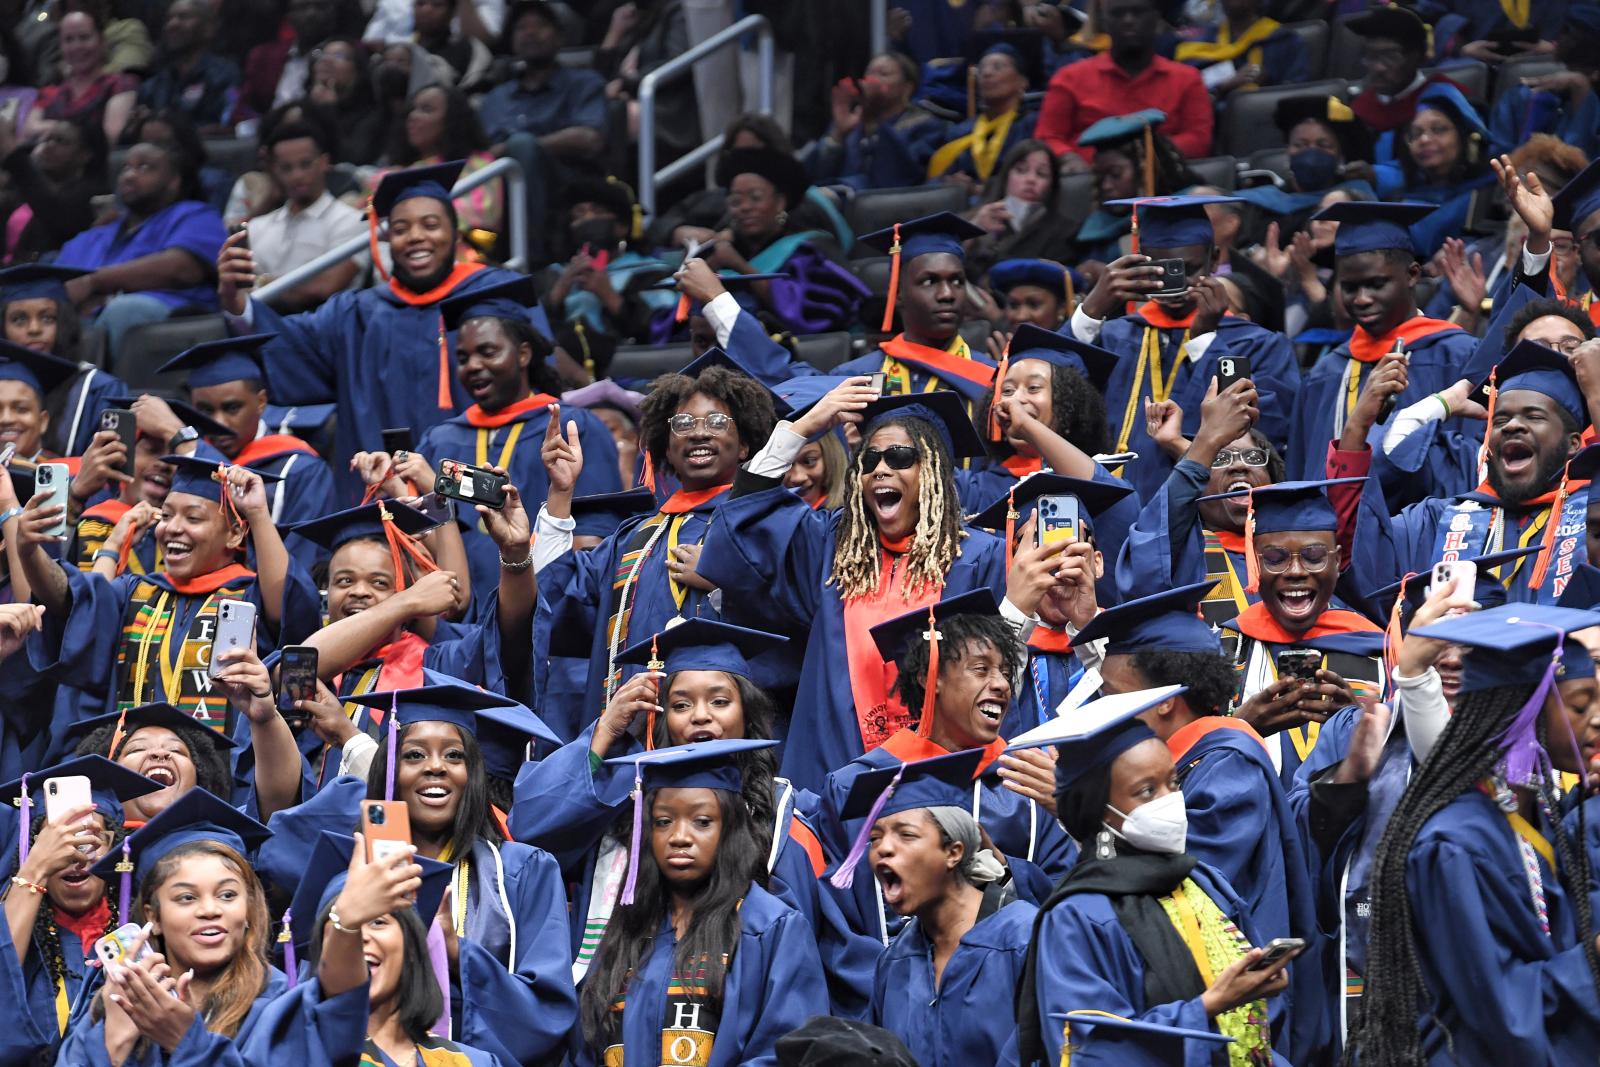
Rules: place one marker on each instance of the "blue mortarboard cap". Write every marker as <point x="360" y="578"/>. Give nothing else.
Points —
<point x="1285" y="507"/>
<point x="1442" y="96"/>
<point x="191" y="415"/>
<point x="1578" y="199"/>
<point x="199" y="477"/>
<point x="703" y="645"/>
<point x="944" y="781"/>
<point x="40" y="371"/>
<point x="109" y="784"/>
<point x="1135" y="1042"/>
<point x="325" y="874"/>
<point x="940" y="232"/>
<point x="892" y="637"/>
<point x="508" y="300"/>
<point x="1173" y="221"/>
<point x="1044" y="274"/>
<point x="435" y="181"/>
<point x="1094" y="498"/>
<point x="161" y="714"/>
<point x="1168" y="620"/>
<point x="450" y="702"/>
<point x="36" y="281"/>
<point x="1585" y="464"/>
<point x="1116" y="129"/>
<point x="624" y="503"/>
<point x="504" y="727"/>
<point x="1532" y="366"/>
<point x="232" y="359"/>
<point x="1095" y="733"/>
<point x="1417" y="585"/>
<point x="945" y="411"/>
<point x="716" y="357"/>
<point x="1096" y="364"/>
<point x="1373" y="226"/>
<point x="195" y="816"/>
<point x="698" y="765"/>
<point x="1583" y="588"/>
<point x="331" y="531"/>
<point x="1510" y="644"/>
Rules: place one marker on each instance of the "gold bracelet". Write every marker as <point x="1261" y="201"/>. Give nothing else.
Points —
<point x="24" y="883"/>
<point x="333" y="917"/>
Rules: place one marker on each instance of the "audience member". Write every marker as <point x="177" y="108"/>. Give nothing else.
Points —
<point x="395" y="20"/>
<point x="341" y="84"/>
<point x="1004" y="118"/>
<point x="56" y="181"/>
<point x="465" y="59"/>
<point x="278" y="71"/>
<point x="189" y="76"/>
<point x="309" y="223"/>
<point x="1020" y="214"/>
<point x="879" y="138"/>
<point x="1245" y="49"/>
<point x="1394" y="46"/>
<point x="440" y="126"/>
<point x="89" y="91"/>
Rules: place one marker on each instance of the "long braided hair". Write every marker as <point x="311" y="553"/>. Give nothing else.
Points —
<point x="46" y="935"/>
<point x="858" y="557"/>
<point x="1466" y="752"/>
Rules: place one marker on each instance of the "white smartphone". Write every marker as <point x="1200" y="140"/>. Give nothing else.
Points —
<point x="1458" y="575"/>
<point x="52" y="480"/>
<point x="114" y="947"/>
<point x="70" y="792"/>
<point x="236" y="628"/>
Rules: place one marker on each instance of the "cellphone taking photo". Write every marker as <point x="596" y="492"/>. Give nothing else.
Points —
<point x="297" y="680"/>
<point x="1455" y="575"/>
<point x="1279" y="948"/>
<point x="1174" y="277"/>
<point x="386" y="825"/>
<point x="1231" y="369"/>
<point x="125" y="425"/>
<point x="471" y="485"/>
<point x="236" y="628"/>
<point x="70" y="792"/>
<point x="398" y="439"/>
<point x="52" y="481"/>
<point x="1058" y="519"/>
<point x="117" y="946"/>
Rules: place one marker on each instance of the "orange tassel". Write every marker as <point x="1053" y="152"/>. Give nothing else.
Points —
<point x="446" y="401"/>
<point x="894" y="282"/>
<point x="1483" y="449"/>
<point x="229" y="510"/>
<point x="1392" y="634"/>
<point x="925" y="724"/>
<point x="1551" y="525"/>
<point x="401" y="544"/>
<point x="1555" y="283"/>
<point x="995" y="433"/>
<point x="372" y="241"/>
<point x="681" y="315"/>
<point x="119" y="733"/>
<point x="647" y="473"/>
<point x="1252" y="572"/>
<point x="1011" y="523"/>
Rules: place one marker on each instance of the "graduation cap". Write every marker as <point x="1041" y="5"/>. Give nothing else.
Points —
<point x="1578" y="199"/>
<point x="800" y="394"/>
<point x="782" y="169"/>
<point x="1583" y="588"/>
<point x="195" y="816"/>
<point x="366" y="521"/>
<point x="1063" y="350"/>
<point x="944" y="411"/>
<point x="1584" y="464"/>
<point x="894" y="637"/>
<point x="109" y="785"/>
<point x="232" y="359"/>
<point x="1532" y="366"/>
<point x="905" y="241"/>
<point x="1119" y="129"/>
<point x="1373" y="226"/>
<point x="621" y="504"/>
<point x="1172" y="221"/>
<point x="829" y="1041"/>
<point x="1330" y="111"/>
<point x="191" y="415"/>
<point x="1488" y="592"/>
<point x="1011" y="511"/>
<point x="698" y="765"/>
<point x="434" y="181"/>
<point x="504" y="727"/>
<point x="159" y="714"/>
<point x="1284" y="507"/>
<point x="325" y="876"/>
<point x="1055" y="278"/>
<point x="1094" y="734"/>
<point x="37" y="281"/>
<point x="508" y="300"/>
<point x="1168" y="621"/>
<point x="699" y="644"/>
<point x="202" y="477"/>
<point x="1133" y="1042"/>
<point x="1394" y="23"/>
<point x="40" y="371"/>
<point x="943" y="781"/>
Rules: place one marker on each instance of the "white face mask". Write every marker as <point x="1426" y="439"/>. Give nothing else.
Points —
<point x="1159" y="826"/>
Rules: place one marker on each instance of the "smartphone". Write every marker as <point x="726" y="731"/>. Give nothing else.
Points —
<point x="1458" y="574"/>
<point x="236" y="628"/>
<point x="1279" y="948"/>
<point x="1301" y="663"/>
<point x="7" y="453"/>
<point x="297" y="680"/>
<point x="116" y="947"/>
<point x="51" y="481"/>
<point x="1387" y="407"/>
<point x="1058" y="519"/>
<point x="600" y="257"/>
<point x="1231" y="369"/>
<point x="398" y="439"/>
<point x="1174" y="277"/>
<point x="244" y="228"/>
<point x="386" y="826"/>
<point x="67" y="793"/>
<point x="879" y="381"/>
<point x="461" y="481"/>
<point x="126" y="426"/>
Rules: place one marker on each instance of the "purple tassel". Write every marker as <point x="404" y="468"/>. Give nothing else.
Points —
<point x="845" y="876"/>
<point x="634" y="854"/>
<point x="388" y="771"/>
<point x="1520" y="741"/>
<point x="291" y="966"/>
<point x="27" y="825"/>
<point x="439" y="957"/>
<point x="125" y="884"/>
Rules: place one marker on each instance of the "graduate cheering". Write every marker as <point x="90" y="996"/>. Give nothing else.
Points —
<point x="381" y="354"/>
<point x="897" y="543"/>
<point x="699" y="965"/>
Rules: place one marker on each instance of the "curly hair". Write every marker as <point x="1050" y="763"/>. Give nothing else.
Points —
<point x="1547" y="153"/>
<point x="957" y="634"/>
<point x="858" y="555"/>
<point x="747" y="401"/>
<point x="1077" y="413"/>
<point x="211" y="770"/>
<point x="1211" y="679"/>
<point x="1525" y="316"/>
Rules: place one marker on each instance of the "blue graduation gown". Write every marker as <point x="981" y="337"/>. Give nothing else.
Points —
<point x="85" y="1042"/>
<point x="1272" y="368"/>
<point x="772" y="555"/>
<point x="1049" y="677"/>
<point x="1323" y="401"/>
<point x="1087" y="961"/>
<point x="374" y="356"/>
<point x="1505" y="991"/>
<point x="773" y="985"/>
<point x="26" y="986"/>
<point x="87" y="396"/>
<point x="1519" y="113"/>
<point x="954" y="1022"/>
<point x="1166" y="546"/>
<point x="301" y="1027"/>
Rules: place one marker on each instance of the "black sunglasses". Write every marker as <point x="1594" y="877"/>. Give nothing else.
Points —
<point x="899" y="458"/>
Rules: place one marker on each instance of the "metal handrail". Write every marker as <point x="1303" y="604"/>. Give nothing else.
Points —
<point x="879" y="20"/>
<point x="676" y="67"/>
<point x="516" y="218"/>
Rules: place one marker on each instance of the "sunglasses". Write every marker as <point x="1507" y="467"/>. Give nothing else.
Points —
<point x="899" y="458"/>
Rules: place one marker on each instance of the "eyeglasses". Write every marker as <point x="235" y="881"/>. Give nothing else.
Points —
<point x="1438" y="133"/>
<point x="1563" y="246"/>
<point x="1250" y="457"/>
<point x="1314" y="558"/>
<point x="1592" y="237"/>
<point x="1566" y="346"/>
<point x="683" y="425"/>
<point x="899" y="458"/>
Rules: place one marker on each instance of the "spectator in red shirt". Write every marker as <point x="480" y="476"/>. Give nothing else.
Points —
<point x="1128" y="76"/>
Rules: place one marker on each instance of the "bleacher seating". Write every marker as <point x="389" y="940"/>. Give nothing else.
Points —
<point x="1472" y="76"/>
<point x="147" y="347"/>
<point x="1247" y="122"/>
<point x="1314" y="34"/>
<point x="642" y="363"/>
<point x="825" y="351"/>
<point x="877" y="209"/>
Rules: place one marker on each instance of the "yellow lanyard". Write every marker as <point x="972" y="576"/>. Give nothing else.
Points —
<point x="62" y="1007"/>
<point x="1189" y="927"/>
<point x="1235" y="588"/>
<point x="1352" y="390"/>
<point x="679" y="592"/>
<point x="1160" y="388"/>
<point x="141" y="666"/>
<point x="504" y="462"/>
<point x="460" y="881"/>
<point x="170" y="684"/>
<point x="1518" y="11"/>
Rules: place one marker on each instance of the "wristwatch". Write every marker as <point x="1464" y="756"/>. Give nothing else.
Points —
<point x="184" y="436"/>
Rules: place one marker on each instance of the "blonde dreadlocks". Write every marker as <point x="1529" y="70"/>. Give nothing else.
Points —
<point x="936" y="541"/>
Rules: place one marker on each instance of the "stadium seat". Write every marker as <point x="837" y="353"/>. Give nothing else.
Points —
<point x="1512" y="71"/>
<point x="642" y="363"/>
<point x="1344" y="51"/>
<point x="236" y="155"/>
<point x="577" y="58"/>
<point x="1314" y="34"/>
<point x="1275" y="160"/>
<point x="146" y="347"/>
<point x="1075" y="198"/>
<point x="1221" y="171"/>
<point x="873" y="272"/>
<point x="824" y="351"/>
<point x="878" y="209"/>
<point x="1247" y="122"/>
<point x="1472" y="76"/>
